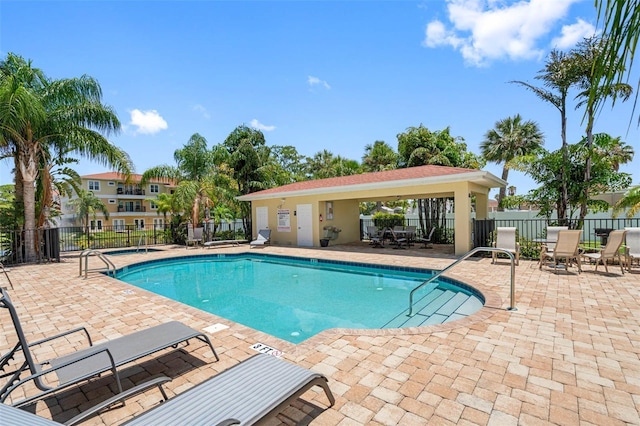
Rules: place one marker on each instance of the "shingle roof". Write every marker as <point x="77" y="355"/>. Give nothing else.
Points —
<point x="424" y="174"/>
<point x="120" y="177"/>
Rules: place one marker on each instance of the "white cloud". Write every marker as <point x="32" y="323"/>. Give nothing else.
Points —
<point x="147" y="122"/>
<point x="202" y="110"/>
<point x="573" y="34"/>
<point x="315" y="81"/>
<point x="486" y="30"/>
<point x="259" y="126"/>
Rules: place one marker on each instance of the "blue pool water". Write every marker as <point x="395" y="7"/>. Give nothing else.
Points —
<point x="129" y="251"/>
<point x="294" y="298"/>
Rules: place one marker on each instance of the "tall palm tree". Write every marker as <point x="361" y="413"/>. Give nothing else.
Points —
<point x="37" y="114"/>
<point x="558" y="75"/>
<point x="511" y="138"/>
<point x="585" y="57"/>
<point x="87" y="205"/>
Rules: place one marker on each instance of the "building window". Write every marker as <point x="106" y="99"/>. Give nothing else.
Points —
<point x="139" y="223"/>
<point x="158" y="223"/>
<point x="96" y="225"/>
<point x="154" y="188"/>
<point x="153" y="205"/>
<point x="118" y="225"/>
<point x="112" y="184"/>
<point x="112" y="201"/>
<point x="94" y="185"/>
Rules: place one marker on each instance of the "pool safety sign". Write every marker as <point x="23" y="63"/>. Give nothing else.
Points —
<point x="265" y="349"/>
<point x="284" y="220"/>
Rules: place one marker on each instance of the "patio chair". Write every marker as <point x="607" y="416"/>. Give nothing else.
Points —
<point x="632" y="245"/>
<point x="410" y="232"/>
<point x="506" y="240"/>
<point x="264" y="237"/>
<point x="85" y="363"/>
<point x="194" y="236"/>
<point x="567" y="247"/>
<point x="252" y="391"/>
<point x="427" y="242"/>
<point x="609" y="252"/>
<point x="374" y="236"/>
<point x="398" y="240"/>
<point x="552" y="236"/>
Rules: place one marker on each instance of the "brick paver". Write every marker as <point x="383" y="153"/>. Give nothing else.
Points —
<point x="569" y="354"/>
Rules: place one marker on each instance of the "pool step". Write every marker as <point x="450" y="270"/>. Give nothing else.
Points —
<point x="438" y="307"/>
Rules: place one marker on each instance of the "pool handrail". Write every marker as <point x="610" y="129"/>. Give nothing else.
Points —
<point x="111" y="267"/>
<point x="512" y="306"/>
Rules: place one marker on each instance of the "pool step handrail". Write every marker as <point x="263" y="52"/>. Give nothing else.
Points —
<point x="110" y="266"/>
<point x="146" y="243"/>
<point x="512" y="306"/>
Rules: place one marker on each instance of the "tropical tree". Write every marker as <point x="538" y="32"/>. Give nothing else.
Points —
<point x="419" y="146"/>
<point x="608" y="153"/>
<point x="378" y="157"/>
<point x="195" y="176"/>
<point x="585" y="57"/>
<point x="620" y="21"/>
<point x="284" y="165"/>
<point x="558" y="75"/>
<point x="324" y="164"/>
<point x="630" y="200"/>
<point x="37" y="113"/>
<point x="511" y="138"/>
<point x="246" y="155"/>
<point x="87" y="205"/>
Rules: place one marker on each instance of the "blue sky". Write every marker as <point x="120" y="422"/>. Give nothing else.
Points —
<point x="334" y="75"/>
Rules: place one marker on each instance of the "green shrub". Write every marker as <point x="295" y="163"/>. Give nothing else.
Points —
<point x="388" y="220"/>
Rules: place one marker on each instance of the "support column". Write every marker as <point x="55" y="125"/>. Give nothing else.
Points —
<point x="462" y="216"/>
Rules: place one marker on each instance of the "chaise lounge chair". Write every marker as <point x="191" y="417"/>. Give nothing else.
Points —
<point x="250" y="392"/>
<point x="194" y="236"/>
<point x="264" y="237"/>
<point x="86" y="363"/>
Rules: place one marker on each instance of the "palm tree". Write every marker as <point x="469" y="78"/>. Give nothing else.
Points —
<point x="620" y="21"/>
<point x="630" y="200"/>
<point x="511" y="138"/>
<point x="559" y="74"/>
<point x="378" y="157"/>
<point x="88" y="205"/>
<point x="585" y="56"/>
<point x="37" y="114"/>
<point x="194" y="174"/>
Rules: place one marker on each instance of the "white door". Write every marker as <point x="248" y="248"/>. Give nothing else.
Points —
<point x="262" y="219"/>
<point x="305" y="225"/>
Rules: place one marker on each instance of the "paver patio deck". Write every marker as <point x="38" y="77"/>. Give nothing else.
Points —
<point x="569" y="355"/>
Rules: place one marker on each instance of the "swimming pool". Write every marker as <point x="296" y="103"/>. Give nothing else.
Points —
<point x="296" y="298"/>
<point x="121" y="252"/>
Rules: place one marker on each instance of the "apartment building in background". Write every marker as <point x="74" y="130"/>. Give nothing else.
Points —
<point x="130" y="204"/>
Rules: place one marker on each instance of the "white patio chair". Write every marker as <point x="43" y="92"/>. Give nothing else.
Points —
<point x="632" y="245"/>
<point x="506" y="240"/>
<point x="609" y="252"/>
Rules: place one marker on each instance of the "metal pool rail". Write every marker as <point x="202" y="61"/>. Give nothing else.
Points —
<point x="512" y="306"/>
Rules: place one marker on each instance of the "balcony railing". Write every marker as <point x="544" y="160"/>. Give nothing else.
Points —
<point x="137" y="209"/>
<point x="135" y="191"/>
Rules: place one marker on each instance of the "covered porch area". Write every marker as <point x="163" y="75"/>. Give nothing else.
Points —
<point x="301" y="213"/>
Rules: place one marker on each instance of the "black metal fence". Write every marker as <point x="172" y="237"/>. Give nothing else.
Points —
<point x="50" y="242"/>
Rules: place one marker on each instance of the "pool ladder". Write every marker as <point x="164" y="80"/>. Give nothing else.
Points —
<point x="512" y="306"/>
<point x="110" y="267"/>
<point x="143" y="236"/>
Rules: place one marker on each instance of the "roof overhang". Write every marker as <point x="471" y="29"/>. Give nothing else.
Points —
<point x="481" y="178"/>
